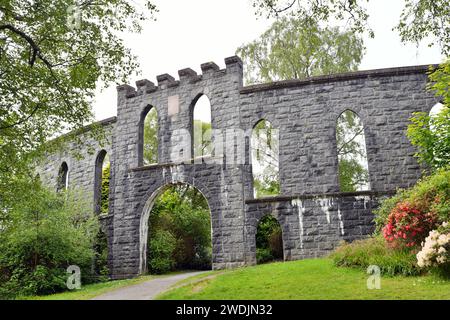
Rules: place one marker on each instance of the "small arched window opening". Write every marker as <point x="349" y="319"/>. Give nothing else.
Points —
<point x="201" y="123"/>
<point x="269" y="240"/>
<point x="352" y="154"/>
<point x="63" y="177"/>
<point x="265" y="162"/>
<point x="101" y="183"/>
<point x="148" y="137"/>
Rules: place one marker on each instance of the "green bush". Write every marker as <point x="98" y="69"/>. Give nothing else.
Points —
<point x="183" y="212"/>
<point x="374" y="251"/>
<point x="430" y="194"/>
<point x="264" y="255"/>
<point x="41" y="236"/>
<point x="431" y="136"/>
<point x="161" y="249"/>
<point x="101" y="270"/>
<point x="269" y="243"/>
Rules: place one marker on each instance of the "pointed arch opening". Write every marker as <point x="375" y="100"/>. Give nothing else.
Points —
<point x="265" y="159"/>
<point x="63" y="177"/>
<point x="175" y="230"/>
<point x="353" y="168"/>
<point x="201" y="127"/>
<point x="101" y="183"/>
<point x="269" y="240"/>
<point x="148" y="137"/>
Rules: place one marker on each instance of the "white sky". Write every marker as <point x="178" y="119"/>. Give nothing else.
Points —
<point x="189" y="33"/>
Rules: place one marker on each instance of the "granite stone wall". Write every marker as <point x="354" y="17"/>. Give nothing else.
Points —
<point x="313" y="215"/>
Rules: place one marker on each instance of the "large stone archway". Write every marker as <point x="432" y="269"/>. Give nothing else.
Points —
<point x="145" y="215"/>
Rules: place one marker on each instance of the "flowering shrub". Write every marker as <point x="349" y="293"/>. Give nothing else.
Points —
<point x="435" y="249"/>
<point x="430" y="194"/>
<point x="408" y="225"/>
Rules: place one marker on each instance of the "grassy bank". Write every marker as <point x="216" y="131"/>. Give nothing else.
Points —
<point x="308" y="279"/>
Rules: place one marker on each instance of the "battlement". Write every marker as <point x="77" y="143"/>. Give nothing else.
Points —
<point x="187" y="75"/>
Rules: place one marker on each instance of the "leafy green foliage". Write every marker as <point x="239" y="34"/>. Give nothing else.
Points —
<point x="387" y="205"/>
<point x="106" y="177"/>
<point x="299" y="48"/>
<point x="100" y="260"/>
<point x="161" y="250"/>
<point x="264" y="255"/>
<point x="374" y="251"/>
<point x="52" y="55"/>
<point x="351" y="150"/>
<point x="151" y="137"/>
<point x="419" y="20"/>
<point x="352" y="175"/>
<point x="426" y="19"/>
<point x="269" y="243"/>
<point x="42" y="234"/>
<point x="203" y="145"/>
<point x="180" y="214"/>
<point x="265" y="145"/>
<point x="352" y="13"/>
<point x="430" y="194"/>
<point x="431" y="135"/>
<point x="440" y="81"/>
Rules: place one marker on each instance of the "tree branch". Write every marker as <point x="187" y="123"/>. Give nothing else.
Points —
<point x="23" y="120"/>
<point x="347" y="142"/>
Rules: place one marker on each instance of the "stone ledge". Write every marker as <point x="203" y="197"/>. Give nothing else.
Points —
<point x="320" y="195"/>
<point x="364" y="74"/>
<point x="188" y="162"/>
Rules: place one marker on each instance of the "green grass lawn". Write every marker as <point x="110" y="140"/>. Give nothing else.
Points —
<point x="307" y="279"/>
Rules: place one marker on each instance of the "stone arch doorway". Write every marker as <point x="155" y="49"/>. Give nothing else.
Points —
<point x="202" y="226"/>
<point x="269" y="240"/>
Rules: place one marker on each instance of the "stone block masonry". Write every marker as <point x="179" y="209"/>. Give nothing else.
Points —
<point x="313" y="214"/>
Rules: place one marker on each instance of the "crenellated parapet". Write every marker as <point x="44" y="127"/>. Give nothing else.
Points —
<point x="234" y="67"/>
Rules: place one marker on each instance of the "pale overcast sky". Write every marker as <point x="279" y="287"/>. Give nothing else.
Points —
<point x="189" y="33"/>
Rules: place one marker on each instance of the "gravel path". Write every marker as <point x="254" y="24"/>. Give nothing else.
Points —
<point x="146" y="290"/>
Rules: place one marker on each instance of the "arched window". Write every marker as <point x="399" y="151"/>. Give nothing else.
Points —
<point x="63" y="177"/>
<point x="351" y="151"/>
<point x="101" y="183"/>
<point x="269" y="240"/>
<point x="265" y="167"/>
<point x="201" y="123"/>
<point x="148" y="137"/>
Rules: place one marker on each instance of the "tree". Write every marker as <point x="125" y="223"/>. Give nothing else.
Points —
<point x="44" y="233"/>
<point x="431" y="135"/>
<point x="420" y="19"/>
<point x="179" y="233"/>
<point x="202" y="139"/>
<point x="269" y="242"/>
<point x="265" y="146"/>
<point x="351" y="151"/>
<point x="52" y="56"/>
<point x="151" y="137"/>
<point x="299" y="48"/>
<point x="106" y="177"/>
